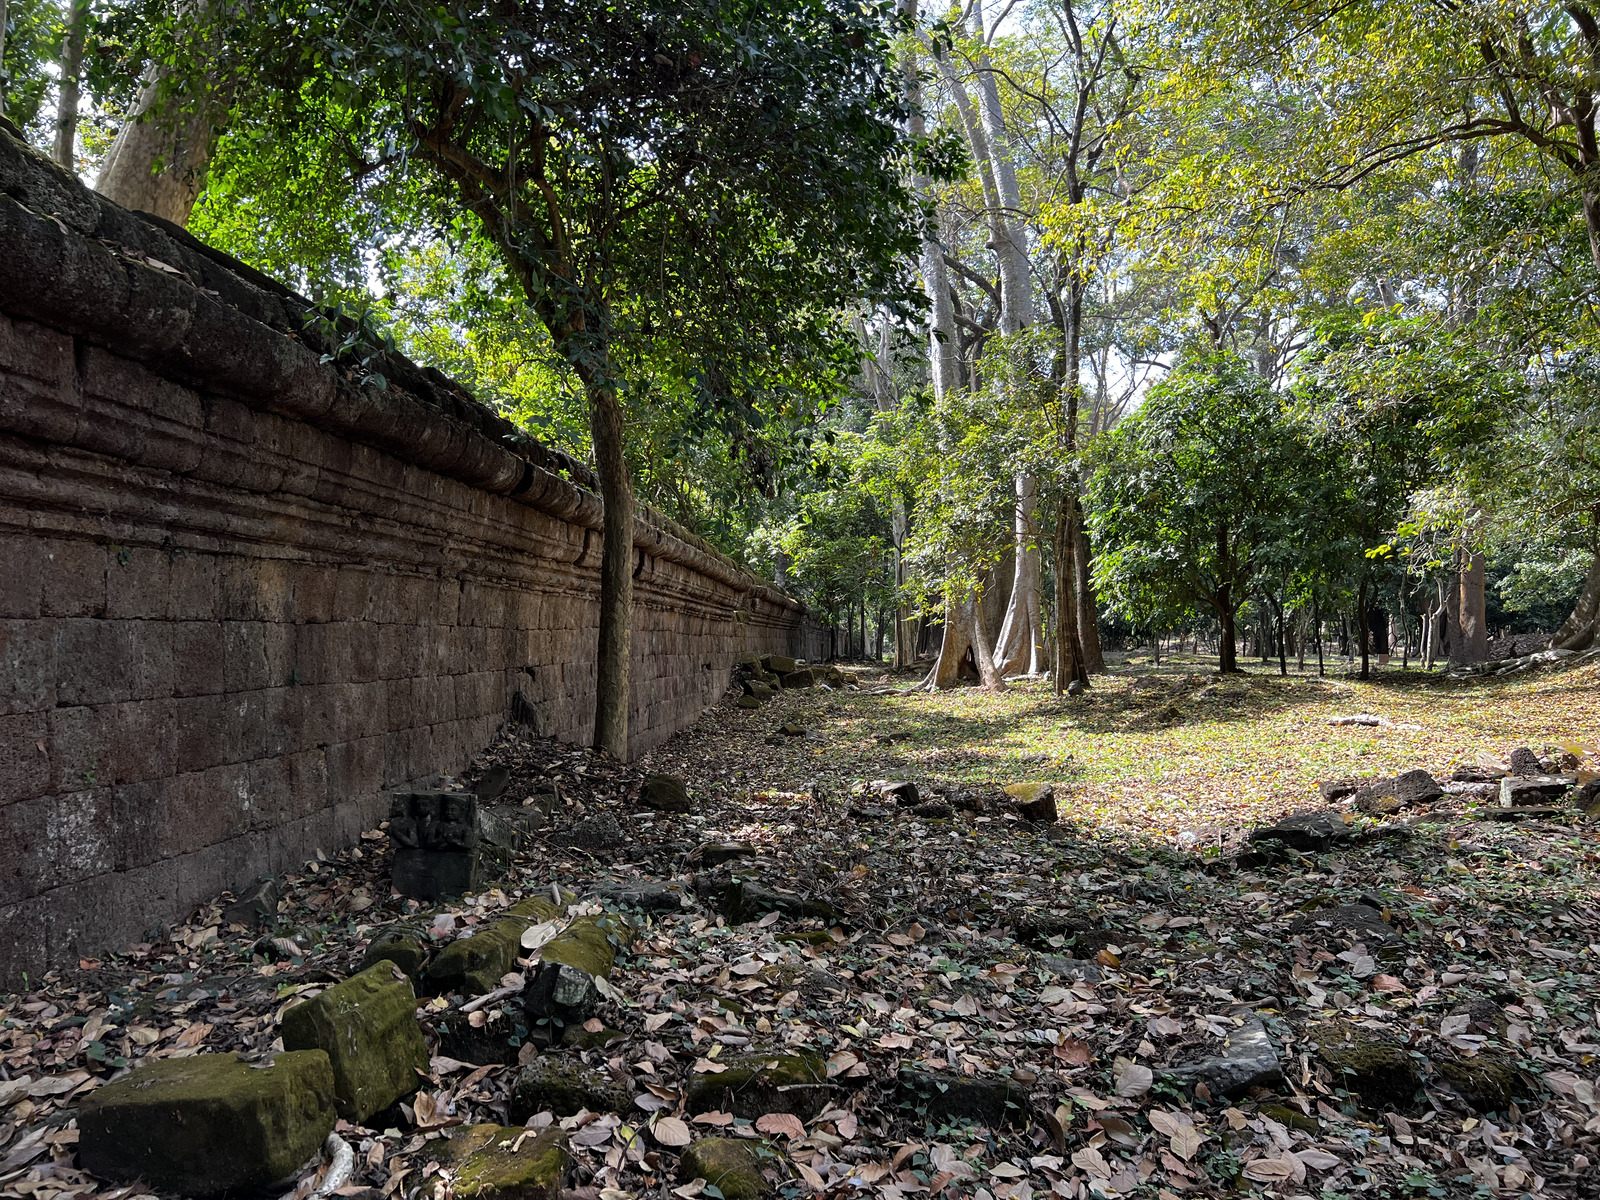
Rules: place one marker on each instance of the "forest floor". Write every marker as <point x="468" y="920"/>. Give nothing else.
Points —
<point x="1440" y="1041"/>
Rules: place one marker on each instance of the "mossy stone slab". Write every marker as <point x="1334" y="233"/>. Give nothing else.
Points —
<point x="1364" y="1061"/>
<point x="755" y="1084"/>
<point x="474" y="965"/>
<point x="731" y="1165"/>
<point x="561" y="1084"/>
<point x="209" y="1124"/>
<point x="368" y="1027"/>
<point x="502" y="1162"/>
<point x="405" y="948"/>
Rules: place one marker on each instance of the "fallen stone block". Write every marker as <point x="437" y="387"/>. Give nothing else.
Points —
<point x="731" y="1165"/>
<point x="209" y="1124"/>
<point x="561" y="988"/>
<point x="1248" y="1060"/>
<point x="1376" y="1067"/>
<point x="751" y="1085"/>
<point x="645" y="895"/>
<point x="562" y="1085"/>
<point x="1523" y="761"/>
<point x="665" y="793"/>
<point x="1521" y="791"/>
<point x="499" y="1162"/>
<point x="779" y="665"/>
<point x="368" y="1028"/>
<point x="1035" y="801"/>
<point x="747" y="702"/>
<point x="1309" y="833"/>
<point x="933" y="810"/>
<point x="946" y="1096"/>
<point x="406" y="947"/>
<point x="901" y="791"/>
<point x="256" y="907"/>
<point x="475" y="965"/>
<point x="1078" y="969"/>
<point x="1488" y="1080"/>
<point x="739" y="901"/>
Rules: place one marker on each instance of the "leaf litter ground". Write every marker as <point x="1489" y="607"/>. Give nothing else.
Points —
<point x="945" y="951"/>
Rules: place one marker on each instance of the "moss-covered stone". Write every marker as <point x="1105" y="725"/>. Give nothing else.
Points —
<point x="561" y="1084"/>
<point x="562" y="986"/>
<point x="1487" y="1081"/>
<point x="779" y="665"/>
<point x="754" y="1084"/>
<point x="664" y="793"/>
<point x="748" y="701"/>
<point x="500" y="1162"/>
<point x="368" y="1028"/>
<point x="794" y="680"/>
<point x="1377" y="1068"/>
<point x="208" y="1124"/>
<point x="731" y="1165"/>
<point x="1293" y="1118"/>
<point x="405" y="948"/>
<point x="475" y="965"/>
<point x="809" y="937"/>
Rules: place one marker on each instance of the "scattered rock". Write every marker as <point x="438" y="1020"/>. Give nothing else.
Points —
<point x="902" y="791"/>
<point x="1308" y="832"/>
<point x="933" y="810"/>
<point x="868" y="812"/>
<point x="492" y="784"/>
<point x="1486" y="1081"/>
<point x="1518" y="791"/>
<point x="1475" y="774"/>
<point x="1368" y="1062"/>
<point x="599" y="832"/>
<point x="717" y="853"/>
<point x="576" y="1037"/>
<point x="1248" y="1060"/>
<point x="731" y="1165"/>
<point x="406" y="948"/>
<point x="1362" y="922"/>
<point x="256" y="908"/>
<point x="664" y="793"/>
<point x="945" y="1096"/>
<point x="1523" y="761"/>
<point x="1039" y="930"/>
<point x="1035" y="801"/>
<point x="498" y="1162"/>
<point x="779" y="665"/>
<point x="646" y="895"/>
<point x="748" y="701"/>
<point x="1407" y="790"/>
<point x="740" y="900"/>
<point x="802" y="678"/>
<point x="755" y="1084"/>
<point x="562" y="987"/>
<point x="1075" y="687"/>
<point x="1333" y="790"/>
<point x="368" y="1028"/>
<point x="792" y="730"/>
<point x="1078" y="969"/>
<point x="564" y="1086"/>
<point x="208" y="1124"/>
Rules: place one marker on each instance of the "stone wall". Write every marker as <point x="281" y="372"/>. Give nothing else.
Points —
<point x="240" y="596"/>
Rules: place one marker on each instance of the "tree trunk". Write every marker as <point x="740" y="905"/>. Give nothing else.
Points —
<point x="963" y="631"/>
<point x="614" y="658"/>
<point x="67" y="100"/>
<point x="1094" y="659"/>
<point x="1227" y="647"/>
<point x="1017" y="646"/>
<point x="4" y="19"/>
<point x="1283" y="661"/>
<point x="178" y="140"/>
<point x="1362" y="625"/>
<point x="1581" y="630"/>
<point x="1474" y="618"/>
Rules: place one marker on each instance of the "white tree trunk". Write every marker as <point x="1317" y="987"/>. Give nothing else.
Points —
<point x="66" y="141"/>
<point x="158" y="162"/>
<point x="1581" y="630"/>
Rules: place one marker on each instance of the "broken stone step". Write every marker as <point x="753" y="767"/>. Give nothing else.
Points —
<point x="500" y="1162"/>
<point x="368" y="1028"/>
<point x="209" y="1124"/>
<point x="1527" y="791"/>
<point x="752" y="1085"/>
<point x="561" y="987"/>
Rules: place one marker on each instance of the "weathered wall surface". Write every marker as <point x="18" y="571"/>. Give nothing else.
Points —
<point x="240" y="596"/>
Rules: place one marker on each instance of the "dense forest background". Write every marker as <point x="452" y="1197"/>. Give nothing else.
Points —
<point x="1000" y="333"/>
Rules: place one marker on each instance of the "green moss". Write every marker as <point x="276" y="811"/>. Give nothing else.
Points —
<point x="405" y="948"/>
<point x="563" y="1085"/>
<point x="586" y="944"/>
<point x="1486" y="1081"/>
<point x="474" y="965"/>
<point x="731" y="1165"/>
<point x="367" y="1026"/>
<point x="755" y="1084"/>
<point x="1292" y="1117"/>
<point x="579" y="1038"/>
<point x="208" y="1124"/>
<point x="1364" y="1061"/>
<point x="499" y="1162"/>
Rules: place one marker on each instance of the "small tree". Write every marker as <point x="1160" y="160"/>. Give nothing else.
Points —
<point x="1189" y="494"/>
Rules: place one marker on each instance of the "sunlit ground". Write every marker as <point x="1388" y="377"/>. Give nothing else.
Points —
<point x="1173" y="749"/>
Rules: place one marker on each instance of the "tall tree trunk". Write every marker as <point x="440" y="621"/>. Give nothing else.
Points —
<point x="1018" y="644"/>
<point x="67" y="99"/>
<point x="158" y="162"/>
<point x="1283" y="661"/>
<point x="1068" y="664"/>
<point x="963" y="631"/>
<point x="1227" y="645"/>
<point x="1363" y="625"/>
<point x="1094" y="660"/>
<point x="1581" y="630"/>
<point x="613" y="661"/>
<point x="1474" y="617"/>
<point x="5" y="17"/>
